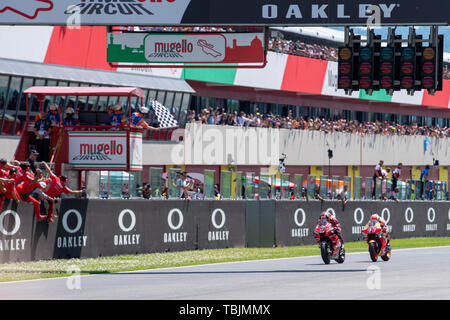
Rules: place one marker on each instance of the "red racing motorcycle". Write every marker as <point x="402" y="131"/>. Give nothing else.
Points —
<point x="377" y="242"/>
<point x="331" y="247"/>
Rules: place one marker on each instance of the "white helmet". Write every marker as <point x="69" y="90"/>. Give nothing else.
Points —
<point x="53" y="107"/>
<point x="70" y="110"/>
<point x="117" y="106"/>
<point x="143" y="110"/>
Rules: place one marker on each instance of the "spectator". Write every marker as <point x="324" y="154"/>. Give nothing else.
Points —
<point x="42" y="131"/>
<point x="146" y="191"/>
<point x="183" y="185"/>
<point x="343" y="195"/>
<point x="117" y="116"/>
<point x="377" y="174"/>
<point x="317" y="193"/>
<point x="393" y="195"/>
<point x="32" y="160"/>
<point x="423" y="180"/>
<point x="164" y="192"/>
<point x="54" y="116"/>
<point x="217" y="194"/>
<point x="396" y="175"/>
<point x="69" y="119"/>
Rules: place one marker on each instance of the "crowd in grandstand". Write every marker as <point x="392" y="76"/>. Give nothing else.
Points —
<point x="220" y="116"/>
<point x="299" y="48"/>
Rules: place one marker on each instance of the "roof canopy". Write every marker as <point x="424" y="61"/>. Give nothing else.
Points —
<point x="86" y="91"/>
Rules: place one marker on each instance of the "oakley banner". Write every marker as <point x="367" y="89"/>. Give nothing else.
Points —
<point x="220" y="12"/>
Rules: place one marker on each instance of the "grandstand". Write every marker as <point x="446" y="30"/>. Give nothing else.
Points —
<point x="299" y="85"/>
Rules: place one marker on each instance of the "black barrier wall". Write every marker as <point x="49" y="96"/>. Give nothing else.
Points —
<point x="295" y="220"/>
<point x="94" y="228"/>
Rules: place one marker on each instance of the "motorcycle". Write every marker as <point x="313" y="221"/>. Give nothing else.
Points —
<point x="378" y="246"/>
<point x="325" y="235"/>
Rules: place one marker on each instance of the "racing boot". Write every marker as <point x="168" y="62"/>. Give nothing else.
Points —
<point x="37" y="209"/>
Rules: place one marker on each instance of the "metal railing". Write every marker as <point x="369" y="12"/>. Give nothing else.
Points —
<point x="229" y="184"/>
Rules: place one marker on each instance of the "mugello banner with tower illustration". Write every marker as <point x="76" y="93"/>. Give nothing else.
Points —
<point x="213" y="12"/>
<point x="203" y="48"/>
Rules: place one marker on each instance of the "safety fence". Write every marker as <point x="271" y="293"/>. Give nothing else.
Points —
<point x="238" y="185"/>
<point x="94" y="227"/>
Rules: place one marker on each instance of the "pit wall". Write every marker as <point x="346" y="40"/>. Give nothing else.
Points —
<point x="95" y="228"/>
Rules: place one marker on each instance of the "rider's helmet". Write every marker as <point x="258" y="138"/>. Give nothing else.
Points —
<point x="375" y="217"/>
<point x="325" y="216"/>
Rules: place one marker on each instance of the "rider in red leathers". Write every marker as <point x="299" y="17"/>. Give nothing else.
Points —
<point x="383" y="224"/>
<point x="334" y="222"/>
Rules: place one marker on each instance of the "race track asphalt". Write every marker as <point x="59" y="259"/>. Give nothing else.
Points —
<point x="410" y="274"/>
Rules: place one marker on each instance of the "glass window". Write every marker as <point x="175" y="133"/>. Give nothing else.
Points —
<point x="4" y="96"/>
<point x="160" y="96"/>
<point x="168" y="101"/>
<point x="27" y="83"/>
<point x="151" y="95"/>
<point x="14" y="93"/>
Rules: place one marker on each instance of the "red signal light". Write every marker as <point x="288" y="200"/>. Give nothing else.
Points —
<point x="365" y="68"/>
<point x="428" y="68"/>
<point x="407" y="82"/>
<point x="386" y="82"/>
<point x="344" y="82"/>
<point x="428" y="82"/>
<point x="407" y="68"/>
<point x="386" y="67"/>
<point x="365" y="82"/>
<point x="345" y="68"/>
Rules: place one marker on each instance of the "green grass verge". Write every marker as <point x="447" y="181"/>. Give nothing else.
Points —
<point x="62" y="268"/>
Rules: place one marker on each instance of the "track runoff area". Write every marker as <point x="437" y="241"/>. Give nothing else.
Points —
<point x="292" y="278"/>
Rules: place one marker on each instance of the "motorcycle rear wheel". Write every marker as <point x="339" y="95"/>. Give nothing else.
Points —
<point x="325" y="252"/>
<point x="373" y="251"/>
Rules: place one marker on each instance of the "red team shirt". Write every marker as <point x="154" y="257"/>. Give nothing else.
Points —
<point x="56" y="186"/>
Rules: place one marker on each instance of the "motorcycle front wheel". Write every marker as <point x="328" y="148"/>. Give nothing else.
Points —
<point x="325" y="252"/>
<point x="341" y="258"/>
<point x="373" y="251"/>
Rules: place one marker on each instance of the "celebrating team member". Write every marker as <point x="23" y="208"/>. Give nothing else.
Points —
<point x="26" y="184"/>
<point x="8" y="189"/>
<point x="55" y="187"/>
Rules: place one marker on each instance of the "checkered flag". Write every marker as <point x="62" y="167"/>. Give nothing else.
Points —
<point x="163" y="115"/>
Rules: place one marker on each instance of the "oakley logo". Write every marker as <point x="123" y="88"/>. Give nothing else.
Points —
<point x="28" y="9"/>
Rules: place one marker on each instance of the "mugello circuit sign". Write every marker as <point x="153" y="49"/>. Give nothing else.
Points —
<point x="199" y="48"/>
<point x="215" y="12"/>
<point x="99" y="150"/>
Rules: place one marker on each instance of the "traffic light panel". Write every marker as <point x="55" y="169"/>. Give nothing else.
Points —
<point x="428" y="68"/>
<point x="366" y="68"/>
<point x="387" y="68"/>
<point x="408" y="68"/>
<point x="345" y="68"/>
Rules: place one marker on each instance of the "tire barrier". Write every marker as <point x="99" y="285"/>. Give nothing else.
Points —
<point x="95" y="228"/>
